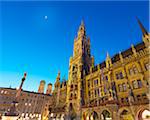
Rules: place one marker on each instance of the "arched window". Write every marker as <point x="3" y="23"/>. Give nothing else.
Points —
<point x="146" y="115"/>
<point x="124" y="112"/>
<point x="130" y="71"/>
<point x="120" y="88"/>
<point x="89" y="94"/>
<point x="71" y="95"/>
<point x="124" y="87"/>
<point x="134" y="83"/>
<point x="73" y="68"/>
<point x="75" y="95"/>
<point x="105" y="115"/>
<point x="139" y="83"/>
<point x="147" y="65"/>
<point x="76" y="87"/>
<point x="71" y="106"/>
<point x="135" y="69"/>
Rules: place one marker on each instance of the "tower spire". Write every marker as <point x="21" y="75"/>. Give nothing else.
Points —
<point x="82" y="22"/>
<point x="144" y="32"/>
<point x="81" y="31"/>
<point x="58" y="75"/>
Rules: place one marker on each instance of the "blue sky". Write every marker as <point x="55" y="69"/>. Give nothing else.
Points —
<point x="30" y="43"/>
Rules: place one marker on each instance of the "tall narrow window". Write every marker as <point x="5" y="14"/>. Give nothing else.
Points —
<point x="147" y="66"/>
<point x="135" y="69"/>
<point x="119" y="75"/>
<point x="96" y="82"/>
<point x="95" y="93"/>
<point x="76" y="87"/>
<point x="124" y="87"/>
<point x="120" y="88"/>
<point x="139" y="83"/>
<point x="134" y="83"/>
<point x="106" y="77"/>
<point x="71" y="95"/>
<point x="98" y="92"/>
<point x="89" y="94"/>
<point x="130" y="71"/>
<point x="105" y="90"/>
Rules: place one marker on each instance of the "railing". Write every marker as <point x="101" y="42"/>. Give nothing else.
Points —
<point x="120" y="103"/>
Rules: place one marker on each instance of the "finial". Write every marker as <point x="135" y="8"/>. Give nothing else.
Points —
<point x="133" y="50"/>
<point x="132" y="45"/>
<point x="108" y="61"/>
<point x="58" y="72"/>
<point x="107" y="55"/>
<point x="58" y="76"/>
<point x="82" y="22"/>
<point x="144" y="32"/>
<point x="120" y="56"/>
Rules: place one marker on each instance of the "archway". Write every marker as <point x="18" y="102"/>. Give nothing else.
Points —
<point x="105" y="115"/>
<point x="144" y="114"/>
<point x="91" y="116"/>
<point x="84" y="116"/>
<point x="72" y="113"/>
<point x="62" y="117"/>
<point x="94" y="115"/>
<point x="126" y="115"/>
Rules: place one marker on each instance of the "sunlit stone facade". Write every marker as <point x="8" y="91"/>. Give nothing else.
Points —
<point x="31" y="105"/>
<point x="116" y="89"/>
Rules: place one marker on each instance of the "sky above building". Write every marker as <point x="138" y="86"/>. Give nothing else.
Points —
<point x="37" y="37"/>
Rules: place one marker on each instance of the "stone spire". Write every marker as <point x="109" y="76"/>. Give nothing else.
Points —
<point x="144" y="32"/>
<point x="57" y="83"/>
<point x="108" y="61"/>
<point x="121" y="57"/>
<point x="81" y="31"/>
<point x="107" y="55"/>
<point x="58" y="76"/>
<point x="82" y="22"/>
<point x="133" y="50"/>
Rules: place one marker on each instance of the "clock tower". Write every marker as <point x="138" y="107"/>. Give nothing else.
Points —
<point x="79" y="65"/>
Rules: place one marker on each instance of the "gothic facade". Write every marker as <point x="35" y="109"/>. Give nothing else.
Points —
<point x="116" y="89"/>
